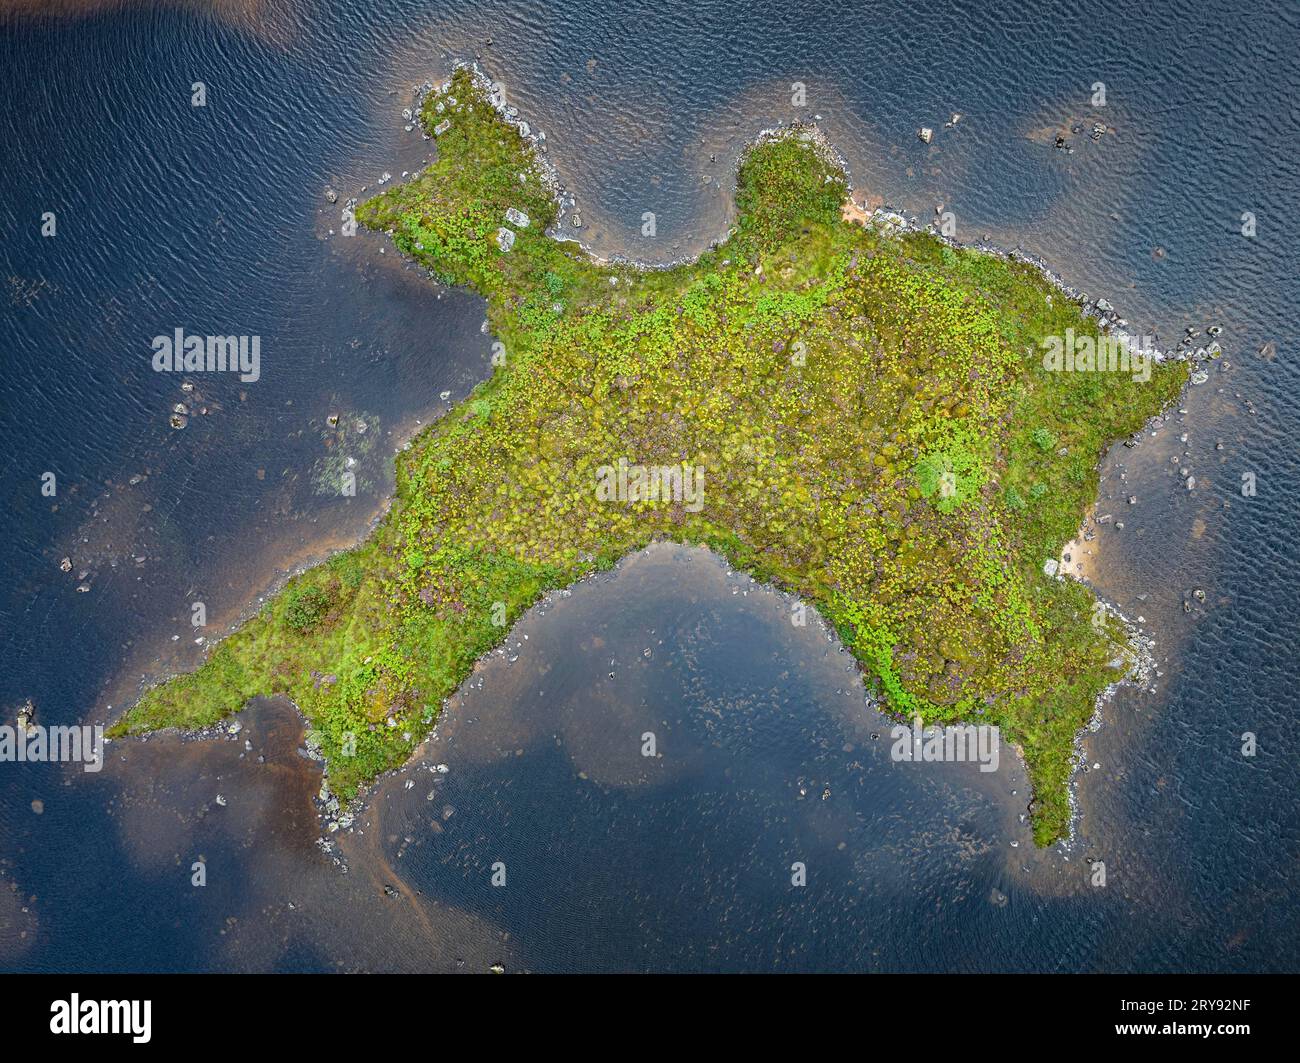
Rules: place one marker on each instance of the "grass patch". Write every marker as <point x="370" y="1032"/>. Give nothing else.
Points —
<point x="870" y="412"/>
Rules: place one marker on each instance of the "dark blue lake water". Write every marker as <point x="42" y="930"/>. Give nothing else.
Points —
<point x="214" y="219"/>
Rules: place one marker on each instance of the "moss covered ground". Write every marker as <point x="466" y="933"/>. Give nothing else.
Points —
<point x="875" y="428"/>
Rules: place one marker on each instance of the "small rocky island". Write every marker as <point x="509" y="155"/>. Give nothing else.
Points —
<point x="865" y="415"/>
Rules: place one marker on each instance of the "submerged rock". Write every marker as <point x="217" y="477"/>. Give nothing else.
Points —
<point x="26" y="716"/>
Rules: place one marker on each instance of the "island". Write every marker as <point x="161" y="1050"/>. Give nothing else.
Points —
<point x="858" y="413"/>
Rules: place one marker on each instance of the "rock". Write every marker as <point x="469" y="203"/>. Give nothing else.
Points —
<point x="442" y="127"/>
<point x="331" y="195"/>
<point x="505" y="239"/>
<point x="517" y="218"/>
<point x="1050" y="566"/>
<point x="65" y="565"/>
<point x="926" y="134"/>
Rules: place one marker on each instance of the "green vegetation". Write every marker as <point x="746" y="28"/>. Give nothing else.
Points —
<point x="871" y="413"/>
<point x="307" y="607"/>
